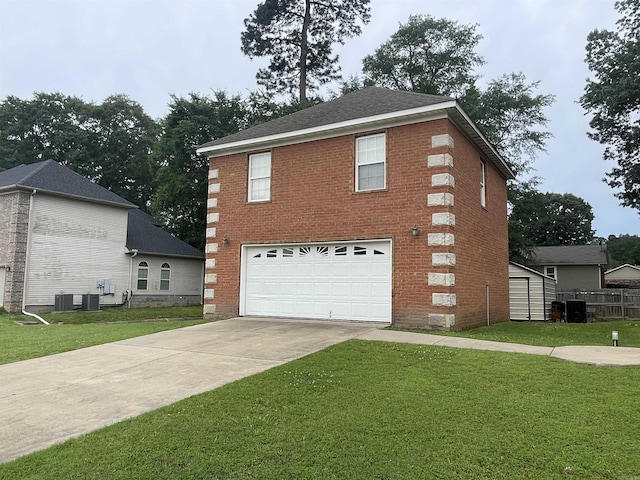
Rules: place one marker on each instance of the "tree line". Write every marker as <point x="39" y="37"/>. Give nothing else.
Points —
<point x="153" y="164"/>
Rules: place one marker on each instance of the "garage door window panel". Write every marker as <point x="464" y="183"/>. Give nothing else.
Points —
<point x="371" y="163"/>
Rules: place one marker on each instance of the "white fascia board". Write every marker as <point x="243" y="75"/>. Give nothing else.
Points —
<point x="402" y="117"/>
<point x="484" y="139"/>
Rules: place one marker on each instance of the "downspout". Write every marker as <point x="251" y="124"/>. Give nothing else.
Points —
<point x="135" y="252"/>
<point x="26" y="262"/>
<point x="202" y="289"/>
<point x="488" y="318"/>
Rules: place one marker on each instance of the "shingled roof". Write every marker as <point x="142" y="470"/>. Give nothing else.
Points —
<point x="143" y="235"/>
<point x="51" y="177"/>
<point x="363" y="110"/>
<point x="571" y="255"/>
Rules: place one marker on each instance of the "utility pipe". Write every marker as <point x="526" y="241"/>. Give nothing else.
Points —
<point x="135" y="252"/>
<point x="26" y="262"/>
<point x="488" y="319"/>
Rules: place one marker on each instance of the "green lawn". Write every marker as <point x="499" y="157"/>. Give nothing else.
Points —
<point x="373" y="410"/>
<point x="18" y="342"/>
<point x="552" y="334"/>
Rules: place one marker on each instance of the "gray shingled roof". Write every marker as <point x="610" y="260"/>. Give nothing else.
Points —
<point x="571" y="255"/>
<point x="143" y="235"/>
<point x="366" y="109"/>
<point x="51" y="177"/>
<point x="367" y="102"/>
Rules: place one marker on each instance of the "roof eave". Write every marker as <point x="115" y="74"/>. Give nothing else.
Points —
<point x="161" y="254"/>
<point x="413" y="115"/>
<point x="469" y="128"/>
<point x="449" y="109"/>
<point x="27" y="188"/>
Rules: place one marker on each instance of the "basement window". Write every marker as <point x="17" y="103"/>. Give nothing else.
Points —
<point x="143" y="275"/>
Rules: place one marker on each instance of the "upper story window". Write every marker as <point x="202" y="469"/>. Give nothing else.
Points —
<point x="259" y="177"/>
<point x="550" y="272"/>
<point x="483" y="184"/>
<point x="143" y="275"/>
<point x="165" y="276"/>
<point x="371" y="163"/>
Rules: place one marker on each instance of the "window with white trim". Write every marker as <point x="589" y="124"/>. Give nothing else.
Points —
<point x="259" y="177"/>
<point x="165" y="276"/>
<point x="550" y="272"/>
<point x="371" y="163"/>
<point x="483" y="184"/>
<point x="143" y="275"/>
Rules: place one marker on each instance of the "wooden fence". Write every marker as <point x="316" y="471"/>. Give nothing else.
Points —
<point x="610" y="303"/>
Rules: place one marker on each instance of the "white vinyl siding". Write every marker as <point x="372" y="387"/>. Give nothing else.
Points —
<point x="371" y="163"/>
<point x="75" y="244"/>
<point x="185" y="277"/>
<point x="530" y="294"/>
<point x="259" y="177"/>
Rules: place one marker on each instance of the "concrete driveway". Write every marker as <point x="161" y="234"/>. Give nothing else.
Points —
<point x="50" y="399"/>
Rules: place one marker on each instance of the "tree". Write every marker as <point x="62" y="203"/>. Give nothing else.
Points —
<point x="552" y="218"/>
<point x="437" y="56"/>
<point x="427" y="55"/>
<point x="613" y="98"/>
<point x="123" y="137"/>
<point x="298" y="36"/>
<point x="181" y="192"/>
<point x="624" y="249"/>
<point x="109" y="143"/>
<point x="510" y="113"/>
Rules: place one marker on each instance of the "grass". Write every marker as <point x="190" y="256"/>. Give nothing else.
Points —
<point x="373" y="410"/>
<point x="19" y="342"/>
<point x="124" y="314"/>
<point x="551" y="334"/>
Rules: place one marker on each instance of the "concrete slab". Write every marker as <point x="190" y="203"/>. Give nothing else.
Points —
<point x="47" y="400"/>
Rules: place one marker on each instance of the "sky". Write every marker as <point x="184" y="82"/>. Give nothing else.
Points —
<point x="150" y="49"/>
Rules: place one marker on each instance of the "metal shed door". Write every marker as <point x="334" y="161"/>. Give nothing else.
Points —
<point x="340" y="281"/>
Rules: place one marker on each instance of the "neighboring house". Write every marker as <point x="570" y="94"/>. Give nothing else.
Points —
<point x="530" y="294"/>
<point x="624" y="276"/>
<point x="574" y="267"/>
<point x="63" y="234"/>
<point x="384" y="206"/>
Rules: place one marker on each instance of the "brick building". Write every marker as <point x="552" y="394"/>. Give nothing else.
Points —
<point x="380" y="205"/>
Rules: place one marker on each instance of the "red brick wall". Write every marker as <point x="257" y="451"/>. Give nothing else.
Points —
<point x="313" y="200"/>
<point x="482" y="243"/>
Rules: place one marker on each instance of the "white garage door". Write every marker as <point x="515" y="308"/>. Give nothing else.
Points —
<point x="344" y="281"/>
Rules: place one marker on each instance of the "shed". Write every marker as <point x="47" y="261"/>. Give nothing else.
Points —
<point x="624" y="276"/>
<point x="530" y="294"/>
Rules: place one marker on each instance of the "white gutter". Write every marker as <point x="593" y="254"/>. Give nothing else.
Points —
<point x="325" y="131"/>
<point x="135" y="252"/>
<point x="26" y="262"/>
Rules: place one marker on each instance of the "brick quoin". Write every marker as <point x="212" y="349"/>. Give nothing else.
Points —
<point x="313" y="199"/>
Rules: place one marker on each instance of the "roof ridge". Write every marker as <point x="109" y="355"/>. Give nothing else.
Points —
<point x="43" y="164"/>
